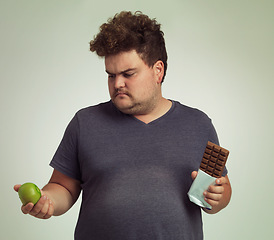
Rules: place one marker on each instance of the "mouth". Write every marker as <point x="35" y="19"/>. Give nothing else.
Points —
<point x="121" y="94"/>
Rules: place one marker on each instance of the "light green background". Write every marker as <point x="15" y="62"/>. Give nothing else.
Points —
<point x="221" y="60"/>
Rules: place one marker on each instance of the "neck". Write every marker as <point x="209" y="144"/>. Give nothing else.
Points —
<point x="161" y="109"/>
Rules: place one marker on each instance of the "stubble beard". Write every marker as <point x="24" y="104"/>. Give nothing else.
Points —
<point x="135" y="107"/>
<point x="130" y="108"/>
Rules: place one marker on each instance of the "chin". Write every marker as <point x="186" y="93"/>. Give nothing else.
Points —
<point x="127" y="109"/>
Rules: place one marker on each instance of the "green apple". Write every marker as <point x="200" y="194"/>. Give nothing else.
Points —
<point x="29" y="192"/>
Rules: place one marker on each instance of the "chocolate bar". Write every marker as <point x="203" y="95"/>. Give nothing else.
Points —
<point x="214" y="160"/>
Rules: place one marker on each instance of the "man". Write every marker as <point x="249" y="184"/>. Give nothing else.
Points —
<point x="132" y="157"/>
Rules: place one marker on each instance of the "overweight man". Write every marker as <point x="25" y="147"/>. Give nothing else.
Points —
<point x="135" y="156"/>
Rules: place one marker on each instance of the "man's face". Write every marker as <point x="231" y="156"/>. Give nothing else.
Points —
<point x="134" y="87"/>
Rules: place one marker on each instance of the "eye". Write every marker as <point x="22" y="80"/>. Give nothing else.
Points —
<point x="111" y="76"/>
<point x="128" y="75"/>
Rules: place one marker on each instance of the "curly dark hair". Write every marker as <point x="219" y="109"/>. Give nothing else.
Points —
<point x="127" y="31"/>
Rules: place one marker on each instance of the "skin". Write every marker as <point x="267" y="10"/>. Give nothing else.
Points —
<point x="135" y="89"/>
<point x="58" y="196"/>
<point x="218" y="195"/>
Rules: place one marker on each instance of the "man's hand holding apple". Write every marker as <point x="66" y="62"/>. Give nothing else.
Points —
<point x="42" y="209"/>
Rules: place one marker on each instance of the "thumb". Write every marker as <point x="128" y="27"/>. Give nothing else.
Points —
<point x="42" y="192"/>
<point x="194" y="175"/>
<point x="16" y="187"/>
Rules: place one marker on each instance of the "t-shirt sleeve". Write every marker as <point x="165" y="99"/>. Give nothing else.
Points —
<point x="213" y="137"/>
<point x="65" y="158"/>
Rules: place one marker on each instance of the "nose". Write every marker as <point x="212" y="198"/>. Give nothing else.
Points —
<point x="119" y="82"/>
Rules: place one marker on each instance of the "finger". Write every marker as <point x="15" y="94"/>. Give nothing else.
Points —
<point x="219" y="189"/>
<point x="38" y="206"/>
<point x="50" y="210"/>
<point x="26" y="209"/>
<point x="212" y="196"/>
<point x="44" y="209"/>
<point x="220" y="181"/>
<point x="211" y="202"/>
<point x="194" y="174"/>
<point x="16" y="187"/>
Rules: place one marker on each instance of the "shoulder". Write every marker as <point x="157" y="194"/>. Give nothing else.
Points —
<point x="104" y="106"/>
<point x="190" y="113"/>
<point x="98" y="116"/>
<point x="98" y="110"/>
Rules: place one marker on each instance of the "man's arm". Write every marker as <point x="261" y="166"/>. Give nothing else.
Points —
<point x="218" y="195"/>
<point x="58" y="196"/>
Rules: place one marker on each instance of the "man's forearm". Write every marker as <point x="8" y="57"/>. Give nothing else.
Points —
<point x="61" y="198"/>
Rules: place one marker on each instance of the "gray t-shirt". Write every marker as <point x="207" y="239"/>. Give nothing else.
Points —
<point x="135" y="176"/>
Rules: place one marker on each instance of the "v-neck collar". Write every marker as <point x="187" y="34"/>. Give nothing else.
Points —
<point x="157" y="119"/>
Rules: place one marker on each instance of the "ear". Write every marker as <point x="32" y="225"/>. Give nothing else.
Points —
<point x="159" y="70"/>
